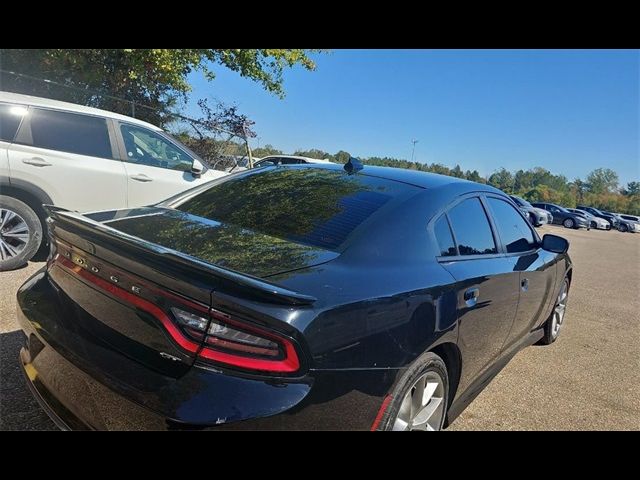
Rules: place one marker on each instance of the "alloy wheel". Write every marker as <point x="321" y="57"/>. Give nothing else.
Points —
<point x="423" y="405"/>
<point x="14" y="234"/>
<point x="558" y="312"/>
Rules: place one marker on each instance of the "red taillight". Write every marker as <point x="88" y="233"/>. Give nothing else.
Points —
<point x="209" y="334"/>
<point x="232" y="342"/>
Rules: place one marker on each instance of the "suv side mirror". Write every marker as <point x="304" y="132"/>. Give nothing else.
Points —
<point x="555" y="244"/>
<point x="197" y="168"/>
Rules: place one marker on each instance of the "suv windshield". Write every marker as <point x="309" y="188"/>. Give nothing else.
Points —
<point x="312" y="206"/>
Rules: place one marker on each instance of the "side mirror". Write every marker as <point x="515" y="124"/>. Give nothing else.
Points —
<point x="197" y="168"/>
<point x="555" y="244"/>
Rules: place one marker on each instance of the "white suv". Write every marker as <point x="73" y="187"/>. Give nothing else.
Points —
<point x="83" y="159"/>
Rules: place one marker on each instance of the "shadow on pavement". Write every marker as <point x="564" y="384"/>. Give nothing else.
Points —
<point x="18" y="409"/>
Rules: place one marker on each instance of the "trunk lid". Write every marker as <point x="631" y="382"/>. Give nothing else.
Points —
<point x="120" y="275"/>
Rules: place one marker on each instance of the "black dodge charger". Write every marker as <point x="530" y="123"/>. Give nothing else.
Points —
<point x="289" y="297"/>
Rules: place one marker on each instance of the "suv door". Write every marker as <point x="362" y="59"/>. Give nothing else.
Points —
<point x="156" y="167"/>
<point x="536" y="267"/>
<point x="71" y="157"/>
<point x="10" y="118"/>
<point x="487" y="286"/>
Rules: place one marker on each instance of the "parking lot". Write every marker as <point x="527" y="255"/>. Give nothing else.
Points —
<point x="588" y="380"/>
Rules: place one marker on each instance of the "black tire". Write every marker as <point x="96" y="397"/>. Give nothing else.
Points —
<point x="26" y="252"/>
<point x="622" y="228"/>
<point x="594" y="225"/>
<point x="427" y="362"/>
<point x="569" y="223"/>
<point x="550" y="335"/>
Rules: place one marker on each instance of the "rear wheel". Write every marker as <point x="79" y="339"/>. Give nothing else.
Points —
<point x="622" y="227"/>
<point x="555" y="322"/>
<point x="20" y="233"/>
<point x="419" y="401"/>
<point x="569" y="223"/>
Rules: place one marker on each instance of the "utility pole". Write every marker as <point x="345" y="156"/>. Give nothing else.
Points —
<point x="413" y="150"/>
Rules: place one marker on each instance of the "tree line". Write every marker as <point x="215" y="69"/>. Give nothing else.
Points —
<point x="601" y="188"/>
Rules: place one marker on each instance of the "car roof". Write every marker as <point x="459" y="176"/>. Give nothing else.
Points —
<point x="412" y="177"/>
<point x="20" y="99"/>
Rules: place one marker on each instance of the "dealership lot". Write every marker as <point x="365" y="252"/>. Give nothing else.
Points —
<point x="588" y="379"/>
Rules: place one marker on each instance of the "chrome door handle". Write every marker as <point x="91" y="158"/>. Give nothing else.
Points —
<point x="524" y="284"/>
<point x="37" y="162"/>
<point x="471" y="296"/>
<point x="141" y="177"/>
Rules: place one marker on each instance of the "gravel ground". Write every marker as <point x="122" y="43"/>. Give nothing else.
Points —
<point x="587" y="380"/>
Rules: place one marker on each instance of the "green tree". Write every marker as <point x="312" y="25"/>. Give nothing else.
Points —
<point x="268" y="149"/>
<point x="457" y="172"/>
<point x="602" y="180"/>
<point x="342" y="156"/>
<point x="633" y="188"/>
<point x="152" y="77"/>
<point x="502" y="179"/>
<point x="314" y="153"/>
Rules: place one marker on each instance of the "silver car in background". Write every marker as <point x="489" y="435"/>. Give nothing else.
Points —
<point x="595" y="222"/>
<point x="536" y="216"/>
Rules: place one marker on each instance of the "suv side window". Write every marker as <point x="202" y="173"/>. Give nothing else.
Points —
<point x="10" y="117"/>
<point x="513" y="229"/>
<point x="70" y="132"/>
<point x="471" y="228"/>
<point x="149" y="148"/>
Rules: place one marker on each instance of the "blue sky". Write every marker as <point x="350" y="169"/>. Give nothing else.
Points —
<point x="567" y="111"/>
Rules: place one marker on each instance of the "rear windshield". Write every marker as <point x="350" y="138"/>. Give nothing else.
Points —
<point x="311" y="206"/>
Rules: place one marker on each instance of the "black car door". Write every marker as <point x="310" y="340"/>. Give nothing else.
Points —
<point x="536" y="267"/>
<point x="487" y="286"/>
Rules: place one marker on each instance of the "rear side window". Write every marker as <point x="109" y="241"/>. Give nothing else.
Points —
<point x="311" y="206"/>
<point x="471" y="228"/>
<point x="513" y="229"/>
<point x="70" y="132"/>
<point x="444" y="238"/>
<point x="10" y="117"/>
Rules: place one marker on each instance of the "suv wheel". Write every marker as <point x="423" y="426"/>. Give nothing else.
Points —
<point x="622" y="227"/>
<point x="569" y="223"/>
<point x="20" y="233"/>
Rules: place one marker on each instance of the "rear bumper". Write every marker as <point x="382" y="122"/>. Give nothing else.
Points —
<point x="74" y="390"/>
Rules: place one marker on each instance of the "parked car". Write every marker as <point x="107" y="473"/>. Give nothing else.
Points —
<point x="562" y="216"/>
<point x="536" y="216"/>
<point x="626" y="225"/>
<point x="613" y="221"/>
<point x="80" y="158"/>
<point x="594" y="222"/>
<point x="229" y="306"/>
<point x="633" y="218"/>
<point x="271" y="160"/>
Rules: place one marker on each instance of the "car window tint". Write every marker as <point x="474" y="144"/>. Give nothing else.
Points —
<point x="70" y="132"/>
<point x="310" y="206"/>
<point x="149" y="148"/>
<point x="444" y="238"/>
<point x="514" y="230"/>
<point x="10" y="117"/>
<point x="471" y="228"/>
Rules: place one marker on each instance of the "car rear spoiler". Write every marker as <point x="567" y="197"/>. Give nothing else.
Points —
<point x="266" y="289"/>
